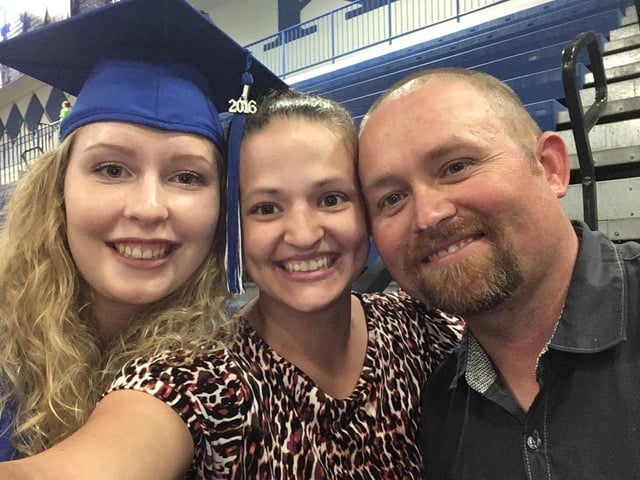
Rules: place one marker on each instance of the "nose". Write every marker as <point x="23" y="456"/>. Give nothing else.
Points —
<point x="147" y="201"/>
<point x="431" y="208"/>
<point x="303" y="228"/>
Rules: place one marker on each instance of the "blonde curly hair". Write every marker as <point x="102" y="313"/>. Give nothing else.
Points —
<point x="52" y="367"/>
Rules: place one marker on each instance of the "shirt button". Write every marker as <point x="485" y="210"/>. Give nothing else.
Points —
<point x="534" y="441"/>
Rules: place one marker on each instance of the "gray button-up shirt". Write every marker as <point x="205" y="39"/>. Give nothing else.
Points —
<point x="585" y="422"/>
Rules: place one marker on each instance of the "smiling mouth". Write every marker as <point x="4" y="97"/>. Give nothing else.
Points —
<point x="450" y="249"/>
<point x="143" y="253"/>
<point x="308" y="266"/>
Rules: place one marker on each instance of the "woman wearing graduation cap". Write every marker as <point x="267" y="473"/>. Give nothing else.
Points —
<point x="111" y="247"/>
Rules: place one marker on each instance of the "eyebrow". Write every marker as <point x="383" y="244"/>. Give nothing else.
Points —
<point x="332" y="180"/>
<point x="317" y="185"/>
<point x="381" y="182"/>
<point x="444" y="150"/>
<point x="447" y="149"/>
<point x="209" y="161"/>
<point x="108" y="146"/>
<point x="260" y="191"/>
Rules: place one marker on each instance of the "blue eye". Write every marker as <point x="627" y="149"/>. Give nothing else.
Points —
<point x="390" y="203"/>
<point x="455" y="168"/>
<point x="392" y="199"/>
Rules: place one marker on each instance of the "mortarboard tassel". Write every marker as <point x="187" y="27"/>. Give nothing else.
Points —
<point x="233" y="252"/>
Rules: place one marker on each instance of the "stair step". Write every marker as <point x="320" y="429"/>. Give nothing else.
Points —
<point x="631" y="12"/>
<point x="614" y="108"/>
<point x="630" y="17"/>
<point x="622" y="44"/>
<point x="618" y="207"/>
<point x="613" y="156"/>
<point x="619" y="73"/>
<point x="621" y="58"/>
<point x="623" y="32"/>
<point x="608" y="136"/>
<point x="615" y="91"/>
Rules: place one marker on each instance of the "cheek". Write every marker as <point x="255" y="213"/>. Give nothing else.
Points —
<point x="258" y="240"/>
<point x="199" y="219"/>
<point x="389" y="235"/>
<point x="88" y="215"/>
<point x="75" y="204"/>
<point x="89" y="206"/>
<point x="359" y="237"/>
<point x="503" y="205"/>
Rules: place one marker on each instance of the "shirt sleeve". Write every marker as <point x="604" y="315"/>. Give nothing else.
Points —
<point x="203" y="388"/>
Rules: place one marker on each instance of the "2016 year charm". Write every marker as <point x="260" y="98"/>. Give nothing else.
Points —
<point x="243" y="104"/>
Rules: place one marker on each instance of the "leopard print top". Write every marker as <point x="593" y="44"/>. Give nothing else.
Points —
<point x="253" y="415"/>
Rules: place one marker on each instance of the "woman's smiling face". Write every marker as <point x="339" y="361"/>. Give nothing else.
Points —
<point x="304" y="232"/>
<point x="141" y="207"/>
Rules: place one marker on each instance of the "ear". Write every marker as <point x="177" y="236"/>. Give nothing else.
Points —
<point x="554" y="159"/>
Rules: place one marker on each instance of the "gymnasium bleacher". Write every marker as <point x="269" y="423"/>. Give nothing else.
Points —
<point x="519" y="49"/>
<point x="615" y="140"/>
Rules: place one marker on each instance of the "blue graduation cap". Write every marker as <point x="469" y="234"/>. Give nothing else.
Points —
<point x="161" y="64"/>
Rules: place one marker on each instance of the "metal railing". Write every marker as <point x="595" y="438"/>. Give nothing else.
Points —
<point x="354" y="27"/>
<point x="16" y="155"/>
<point x="582" y="122"/>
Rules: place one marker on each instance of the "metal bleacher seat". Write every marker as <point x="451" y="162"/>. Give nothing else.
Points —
<point x="525" y="52"/>
<point x="518" y="31"/>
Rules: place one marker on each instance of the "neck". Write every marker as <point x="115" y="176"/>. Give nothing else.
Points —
<point x="515" y="333"/>
<point x="111" y="319"/>
<point x="328" y="345"/>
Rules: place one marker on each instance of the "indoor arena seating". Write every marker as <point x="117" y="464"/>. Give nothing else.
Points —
<point x="519" y="49"/>
<point x="615" y="139"/>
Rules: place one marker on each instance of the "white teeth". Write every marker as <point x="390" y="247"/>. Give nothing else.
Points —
<point x="449" y="250"/>
<point x="142" y="254"/>
<point x="310" y="266"/>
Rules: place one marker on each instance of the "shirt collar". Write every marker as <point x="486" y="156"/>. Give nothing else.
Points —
<point x="594" y="316"/>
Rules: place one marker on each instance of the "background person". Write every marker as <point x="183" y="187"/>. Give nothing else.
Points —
<point x="111" y="247"/>
<point x="465" y="213"/>
<point x="65" y="109"/>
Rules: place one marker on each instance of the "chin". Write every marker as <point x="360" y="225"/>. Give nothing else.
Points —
<point x="142" y="298"/>
<point x="310" y="305"/>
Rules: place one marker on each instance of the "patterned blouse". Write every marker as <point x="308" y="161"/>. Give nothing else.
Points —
<point x="254" y="415"/>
